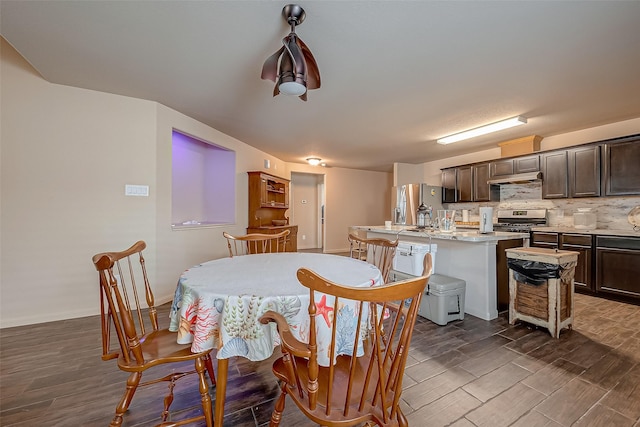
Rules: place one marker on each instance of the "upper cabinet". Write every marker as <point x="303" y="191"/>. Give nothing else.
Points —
<point x="604" y="168"/>
<point x="464" y="184"/>
<point x="523" y="164"/>
<point x="467" y="184"/>
<point x="584" y="171"/>
<point x="621" y="167"/>
<point x="449" y="190"/>
<point x="571" y="173"/>
<point x="526" y="164"/>
<point x="481" y="190"/>
<point x="504" y="167"/>
<point x="555" y="183"/>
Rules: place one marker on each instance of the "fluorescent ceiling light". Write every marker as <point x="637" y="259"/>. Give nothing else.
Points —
<point x="482" y="130"/>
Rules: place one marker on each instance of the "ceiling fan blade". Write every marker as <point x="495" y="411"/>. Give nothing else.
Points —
<point x="270" y="67"/>
<point x="313" y="73"/>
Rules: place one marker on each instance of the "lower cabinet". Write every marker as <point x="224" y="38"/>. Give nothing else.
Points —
<point x="543" y="239"/>
<point x="583" y="244"/>
<point x="502" y="271"/>
<point x="292" y="238"/>
<point x="618" y="266"/>
<point x="608" y="266"/>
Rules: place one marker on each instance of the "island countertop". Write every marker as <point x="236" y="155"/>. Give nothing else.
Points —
<point x="467" y="235"/>
<point x="467" y="255"/>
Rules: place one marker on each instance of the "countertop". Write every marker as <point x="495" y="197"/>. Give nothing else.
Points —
<point x="465" y="235"/>
<point x="598" y="231"/>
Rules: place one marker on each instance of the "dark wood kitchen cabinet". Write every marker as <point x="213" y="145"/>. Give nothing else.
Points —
<point x="464" y="183"/>
<point x="584" y="171"/>
<point x="571" y="173"/>
<point x="555" y="182"/>
<point x="608" y="266"/>
<point x="522" y="164"/>
<point x="502" y="271"/>
<point x="482" y="191"/>
<point x="618" y="266"/>
<point x="621" y="173"/>
<point x="449" y="188"/>
<point x="583" y="244"/>
<point x="544" y="239"/>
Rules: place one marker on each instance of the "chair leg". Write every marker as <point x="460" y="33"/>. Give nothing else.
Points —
<point x="132" y="386"/>
<point x="168" y="400"/>
<point x="210" y="371"/>
<point x="276" y="415"/>
<point x="402" y="420"/>
<point x="204" y="392"/>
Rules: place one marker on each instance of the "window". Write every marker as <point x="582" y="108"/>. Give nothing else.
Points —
<point x="203" y="183"/>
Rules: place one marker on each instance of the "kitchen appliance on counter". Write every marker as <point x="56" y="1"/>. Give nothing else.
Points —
<point x="406" y="199"/>
<point x="520" y="220"/>
<point x="486" y="220"/>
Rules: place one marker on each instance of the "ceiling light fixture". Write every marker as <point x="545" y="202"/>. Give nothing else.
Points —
<point x="482" y="130"/>
<point x="298" y="70"/>
<point x="314" y="161"/>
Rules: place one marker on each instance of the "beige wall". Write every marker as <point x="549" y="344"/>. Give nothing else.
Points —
<point x="353" y="197"/>
<point x="66" y="154"/>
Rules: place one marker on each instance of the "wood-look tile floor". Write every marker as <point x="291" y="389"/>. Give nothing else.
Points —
<point x="468" y="373"/>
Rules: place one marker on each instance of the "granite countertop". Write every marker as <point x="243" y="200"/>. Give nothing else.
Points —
<point x="464" y="235"/>
<point x="598" y="231"/>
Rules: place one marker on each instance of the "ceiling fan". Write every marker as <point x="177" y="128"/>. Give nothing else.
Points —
<point x="298" y="70"/>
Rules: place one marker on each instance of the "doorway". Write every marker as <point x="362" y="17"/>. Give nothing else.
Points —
<point x="307" y="209"/>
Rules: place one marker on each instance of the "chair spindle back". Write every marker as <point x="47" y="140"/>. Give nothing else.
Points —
<point x="256" y="243"/>
<point x="379" y="252"/>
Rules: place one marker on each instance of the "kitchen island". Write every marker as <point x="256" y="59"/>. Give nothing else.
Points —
<point x="476" y="258"/>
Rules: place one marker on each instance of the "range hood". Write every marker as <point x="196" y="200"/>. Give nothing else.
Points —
<point x="518" y="178"/>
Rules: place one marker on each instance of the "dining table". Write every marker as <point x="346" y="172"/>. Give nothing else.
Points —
<point x="218" y="304"/>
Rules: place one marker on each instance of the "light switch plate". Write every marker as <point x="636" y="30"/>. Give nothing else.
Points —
<point x="136" y="190"/>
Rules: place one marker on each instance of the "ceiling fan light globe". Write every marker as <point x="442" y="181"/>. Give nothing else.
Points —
<point x="292" y="88"/>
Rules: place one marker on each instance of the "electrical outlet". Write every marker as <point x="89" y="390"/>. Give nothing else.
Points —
<point x="304" y="237"/>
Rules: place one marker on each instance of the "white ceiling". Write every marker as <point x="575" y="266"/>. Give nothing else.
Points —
<point x="396" y="75"/>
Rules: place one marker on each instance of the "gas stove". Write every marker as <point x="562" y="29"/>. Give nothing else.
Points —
<point x="520" y="220"/>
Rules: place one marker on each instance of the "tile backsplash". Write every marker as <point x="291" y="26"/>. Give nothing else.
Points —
<point x="611" y="212"/>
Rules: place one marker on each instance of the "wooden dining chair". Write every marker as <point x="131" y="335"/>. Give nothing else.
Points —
<point x="256" y="243"/>
<point x="379" y="252"/>
<point x="124" y="288"/>
<point x="356" y="389"/>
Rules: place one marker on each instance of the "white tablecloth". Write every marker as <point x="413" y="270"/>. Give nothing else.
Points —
<point x="217" y="304"/>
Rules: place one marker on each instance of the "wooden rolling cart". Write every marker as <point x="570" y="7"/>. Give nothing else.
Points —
<point x="542" y="301"/>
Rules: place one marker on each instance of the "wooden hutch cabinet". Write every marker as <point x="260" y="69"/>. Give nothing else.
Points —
<point x="268" y="205"/>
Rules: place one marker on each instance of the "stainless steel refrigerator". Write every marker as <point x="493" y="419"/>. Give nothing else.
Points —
<point x="405" y="200"/>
